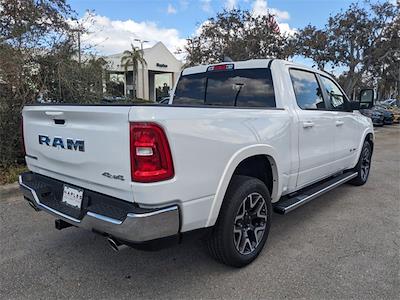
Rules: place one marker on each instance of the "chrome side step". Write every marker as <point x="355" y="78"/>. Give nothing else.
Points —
<point x="302" y="197"/>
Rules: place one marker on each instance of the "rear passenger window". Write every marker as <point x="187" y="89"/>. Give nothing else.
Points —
<point x="307" y="90"/>
<point x="241" y="87"/>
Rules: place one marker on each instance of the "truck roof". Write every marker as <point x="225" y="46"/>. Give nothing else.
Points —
<point x="250" y="64"/>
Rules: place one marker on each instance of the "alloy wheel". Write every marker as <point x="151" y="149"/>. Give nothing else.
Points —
<point x="250" y="224"/>
<point x="365" y="164"/>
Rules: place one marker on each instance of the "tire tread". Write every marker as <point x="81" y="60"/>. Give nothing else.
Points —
<point x="358" y="181"/>
<point x="215" y="243"/>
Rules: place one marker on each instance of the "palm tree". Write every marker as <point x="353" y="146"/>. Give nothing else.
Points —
<point x="133" y="58"/>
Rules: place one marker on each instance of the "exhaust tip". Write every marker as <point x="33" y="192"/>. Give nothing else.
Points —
<point x="115" y="245"/>
<point x="33" y="206"/>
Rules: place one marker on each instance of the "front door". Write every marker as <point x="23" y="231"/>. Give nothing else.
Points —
<point x="347" y="128"/>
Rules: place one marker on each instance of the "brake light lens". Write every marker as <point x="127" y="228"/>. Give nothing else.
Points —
<point x="151" y="158"/>
<point x="224" y="67"/>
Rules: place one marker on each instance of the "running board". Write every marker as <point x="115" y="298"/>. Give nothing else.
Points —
<point x="306" y="195"/>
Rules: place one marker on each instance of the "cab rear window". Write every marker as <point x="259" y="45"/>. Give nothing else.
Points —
<point x="241" y="87"/>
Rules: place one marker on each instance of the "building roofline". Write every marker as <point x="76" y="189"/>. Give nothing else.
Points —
<point x="144" y="50"/>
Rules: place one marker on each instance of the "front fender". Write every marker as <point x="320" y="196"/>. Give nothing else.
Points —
<point x="236" y="159"/>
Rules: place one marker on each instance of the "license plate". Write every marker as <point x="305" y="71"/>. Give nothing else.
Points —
<point x="72" y="196"/>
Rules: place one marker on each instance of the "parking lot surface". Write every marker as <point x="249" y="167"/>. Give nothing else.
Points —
<point x="345" y="244"/>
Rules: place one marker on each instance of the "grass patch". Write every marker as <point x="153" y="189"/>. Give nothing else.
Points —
<point x="10" y="174"/>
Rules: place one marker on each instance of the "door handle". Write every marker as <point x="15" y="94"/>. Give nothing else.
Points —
<point x="308" y="124"/>
<point x="339" y="123"/>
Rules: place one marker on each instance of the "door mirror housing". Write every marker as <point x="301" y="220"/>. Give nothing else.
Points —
<point x="366" y="98"/>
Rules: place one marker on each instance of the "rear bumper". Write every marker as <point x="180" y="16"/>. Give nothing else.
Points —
<point x="137" y="225"/>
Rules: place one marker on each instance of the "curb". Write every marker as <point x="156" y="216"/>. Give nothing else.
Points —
<point x="8" y="190"/>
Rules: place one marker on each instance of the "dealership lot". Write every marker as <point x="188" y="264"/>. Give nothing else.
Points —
<point x="344" y="244"/>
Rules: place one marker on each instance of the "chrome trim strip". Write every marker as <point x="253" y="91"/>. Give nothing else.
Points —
<point x="104" y="218"/>
<point x="319" y="193"/>
<point x="153" y="213"/>
<point x="42" y="206"/>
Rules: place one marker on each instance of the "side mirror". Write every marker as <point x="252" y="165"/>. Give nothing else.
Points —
<point x="366" y="98"/>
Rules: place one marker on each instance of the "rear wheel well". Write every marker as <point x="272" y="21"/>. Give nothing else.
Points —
<point x="258" y="166"/>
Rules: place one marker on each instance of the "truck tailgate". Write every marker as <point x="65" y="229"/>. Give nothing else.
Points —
<point x="83" y="145"/>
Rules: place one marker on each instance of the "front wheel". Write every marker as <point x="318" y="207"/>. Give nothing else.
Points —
<point x="243" y="224"/>
<point x="363" y="166"/>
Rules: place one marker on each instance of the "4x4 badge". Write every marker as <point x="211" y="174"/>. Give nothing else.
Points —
<point x="118" y="177"/>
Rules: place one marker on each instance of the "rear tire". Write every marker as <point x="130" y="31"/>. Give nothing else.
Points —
<point x="243" y="224"/>
<point x="363" y="166"/>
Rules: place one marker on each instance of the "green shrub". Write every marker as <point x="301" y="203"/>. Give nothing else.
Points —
<point x="11" y="173"/>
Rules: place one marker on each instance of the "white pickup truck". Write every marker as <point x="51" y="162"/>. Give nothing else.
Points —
<point x="237" y="141"/>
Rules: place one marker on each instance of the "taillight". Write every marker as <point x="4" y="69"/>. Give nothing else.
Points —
<point x="151" y="158"/>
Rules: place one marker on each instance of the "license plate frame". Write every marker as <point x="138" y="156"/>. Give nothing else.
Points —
<point x="72" y="196"/>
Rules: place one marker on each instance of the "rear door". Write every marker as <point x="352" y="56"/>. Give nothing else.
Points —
<point x="316" y="128"/>
<point x="87" y="146"/>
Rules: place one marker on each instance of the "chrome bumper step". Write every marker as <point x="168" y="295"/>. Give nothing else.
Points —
<point x="302" y="197"/>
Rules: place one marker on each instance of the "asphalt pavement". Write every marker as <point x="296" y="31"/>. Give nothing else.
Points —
<point x="345" y="244"/>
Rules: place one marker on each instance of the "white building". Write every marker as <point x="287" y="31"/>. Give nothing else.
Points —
<point x="153" y="81"/>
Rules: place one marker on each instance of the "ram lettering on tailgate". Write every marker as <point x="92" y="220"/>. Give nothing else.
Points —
<point x="70" y="144"/>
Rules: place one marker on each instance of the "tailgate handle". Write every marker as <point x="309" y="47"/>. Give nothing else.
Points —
<point x="59" y="121"/>
<point x="54" y="113"/>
